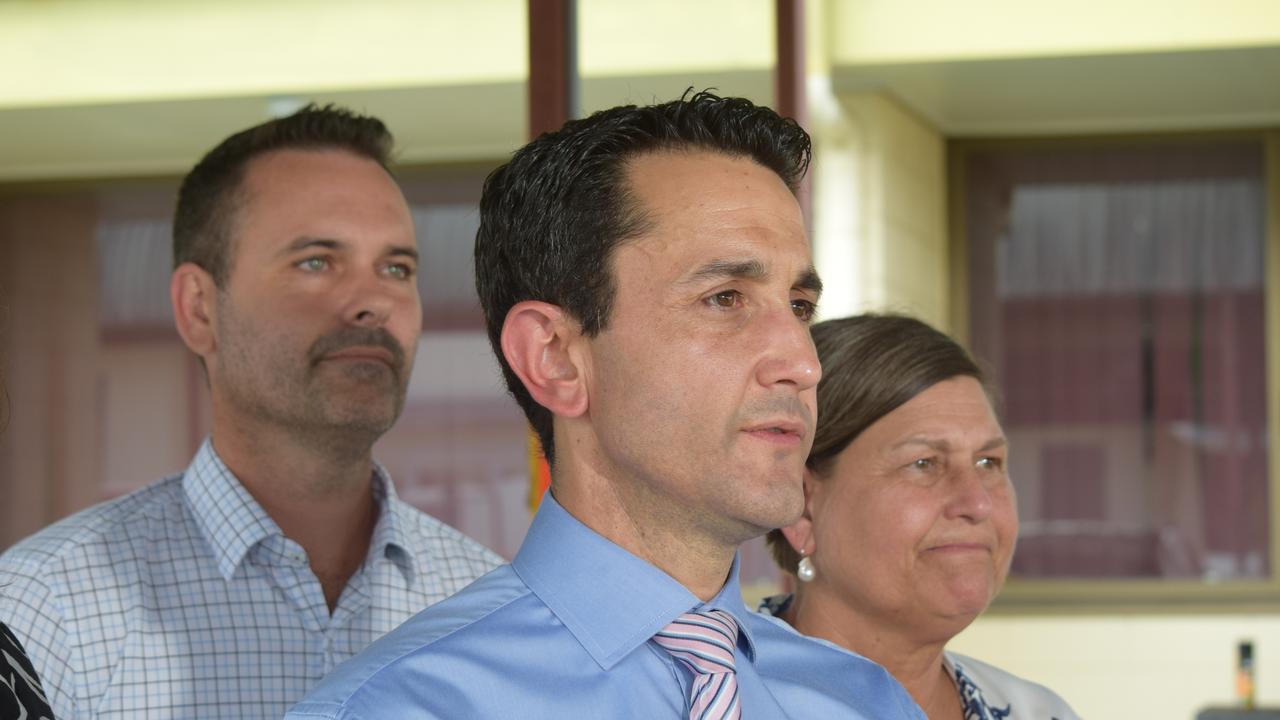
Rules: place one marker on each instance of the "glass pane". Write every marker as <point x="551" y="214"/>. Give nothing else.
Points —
<point x="1118" y="296"/>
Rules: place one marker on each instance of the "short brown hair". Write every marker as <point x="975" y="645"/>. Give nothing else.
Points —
<point x="871" y="365"/>
<point x="208" y="197"/>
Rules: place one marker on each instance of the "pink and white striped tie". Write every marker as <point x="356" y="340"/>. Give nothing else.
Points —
<point x="704" y="641"/>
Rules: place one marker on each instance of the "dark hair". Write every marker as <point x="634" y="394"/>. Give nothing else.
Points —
<point x="551" y="218"/>
<point x="871" y="365"/>
<point x="208" y="197"/>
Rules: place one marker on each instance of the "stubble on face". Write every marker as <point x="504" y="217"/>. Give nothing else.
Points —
<point x="272" y="380"/>
<point x="280" y="369"/>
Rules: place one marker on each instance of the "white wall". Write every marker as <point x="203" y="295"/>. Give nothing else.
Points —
<point x="1130" y="666"/>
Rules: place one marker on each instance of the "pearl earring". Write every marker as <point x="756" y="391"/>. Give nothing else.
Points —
<point x="805" y="570"/>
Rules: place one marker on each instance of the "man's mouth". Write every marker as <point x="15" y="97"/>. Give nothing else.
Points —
<point x="356" y="346"/>
<point x="782" y="432"/>
<point x="362" y="353"/>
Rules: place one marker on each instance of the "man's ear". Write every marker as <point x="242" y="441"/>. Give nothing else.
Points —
<point x="800" y="533"/>
<point x="537" y="340"/>
<point x="194" y="297"/>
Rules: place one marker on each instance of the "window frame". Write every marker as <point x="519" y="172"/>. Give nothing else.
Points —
<point x="1086" y="596"/>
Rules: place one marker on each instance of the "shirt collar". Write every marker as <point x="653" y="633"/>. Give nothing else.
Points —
<point x="391" y="534"/>
<point x="232" y="522"/>
<point x="612" y="601"/>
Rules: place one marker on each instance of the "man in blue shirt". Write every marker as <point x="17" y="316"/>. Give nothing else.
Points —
<point x="647" y="286"/>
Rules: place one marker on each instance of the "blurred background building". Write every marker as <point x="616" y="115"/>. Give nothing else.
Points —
<point x="1086" y="193"/>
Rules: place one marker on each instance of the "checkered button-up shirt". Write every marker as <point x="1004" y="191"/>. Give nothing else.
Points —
<point x="185" y="600"/>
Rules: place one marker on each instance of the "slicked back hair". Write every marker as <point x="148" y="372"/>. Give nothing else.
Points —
<point x="872" y="364"/>
<point x="210" y="194"/>
<point x="551" y="218"/>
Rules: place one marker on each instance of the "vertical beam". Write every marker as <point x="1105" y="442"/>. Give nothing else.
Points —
<point x="789" y="72"/>
<point x="553" y="101"/>
<point x="789" y="78"/>
<point x="553" y="64"/>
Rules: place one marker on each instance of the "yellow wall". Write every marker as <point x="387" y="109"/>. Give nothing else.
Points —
<point x="887" y="31"/>
<point x="68" y="51"/>
<point x="655" y="37"/>
<point x="113" y="88"/>
<point x="75" y="52"/>
<point x="879" y="188"/>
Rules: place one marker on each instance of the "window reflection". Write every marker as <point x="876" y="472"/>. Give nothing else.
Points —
<point x="1118" y="293"/>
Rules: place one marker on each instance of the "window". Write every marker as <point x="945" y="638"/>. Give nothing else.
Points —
<point x="1117" y="292"/>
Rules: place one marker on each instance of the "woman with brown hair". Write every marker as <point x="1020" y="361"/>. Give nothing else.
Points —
<point x="910" y="521"/>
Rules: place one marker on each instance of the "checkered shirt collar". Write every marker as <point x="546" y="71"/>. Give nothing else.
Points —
<point x="232" y="522"/>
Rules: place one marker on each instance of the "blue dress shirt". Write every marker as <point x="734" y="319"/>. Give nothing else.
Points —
<point x="564" y="632"/>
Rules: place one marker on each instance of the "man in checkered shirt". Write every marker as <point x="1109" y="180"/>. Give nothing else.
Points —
<point x="229" y="590"/>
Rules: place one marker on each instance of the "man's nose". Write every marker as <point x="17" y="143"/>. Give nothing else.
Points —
<point x="790" y="358"/>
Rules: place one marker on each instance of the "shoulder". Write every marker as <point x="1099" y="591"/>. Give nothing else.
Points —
<point x="1005" y="692"/>
<point x="824" y="679"/>
<point x="67" y="587"/>
<point x="92" y="564"/>
<point x="453" y="647"/>
<point x="443" y="543"/>
<point x="97" y="533"/>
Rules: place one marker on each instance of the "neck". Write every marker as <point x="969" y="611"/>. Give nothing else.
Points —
<point x="320" y="495"/>
<point x="916" y="663"/>
<point x="645" y="526"/>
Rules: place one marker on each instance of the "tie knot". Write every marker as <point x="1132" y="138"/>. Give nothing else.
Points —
<point x="702" y="640"/>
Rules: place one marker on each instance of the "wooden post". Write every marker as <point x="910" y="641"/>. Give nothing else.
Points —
<point x="789" y="78"/>
<point x="553" y="64"/>
<point x="553" y="101"/>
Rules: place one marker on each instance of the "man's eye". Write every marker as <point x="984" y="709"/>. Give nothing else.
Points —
<point x="803" y="309"/>
<point x="400" y="271"/>
<point x="990" y="463"/>
<point x="726" y="299"/>
<point x="313" y="264"/>
<point x="922" y="463"/>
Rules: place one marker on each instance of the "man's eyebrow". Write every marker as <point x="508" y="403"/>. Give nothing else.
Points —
<point x="719" y="269"/>
<point x="810" y="281"/>
<point x="994" y="443"/>
<point x="306" y="243"/>
<point x="407" y="250"/>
